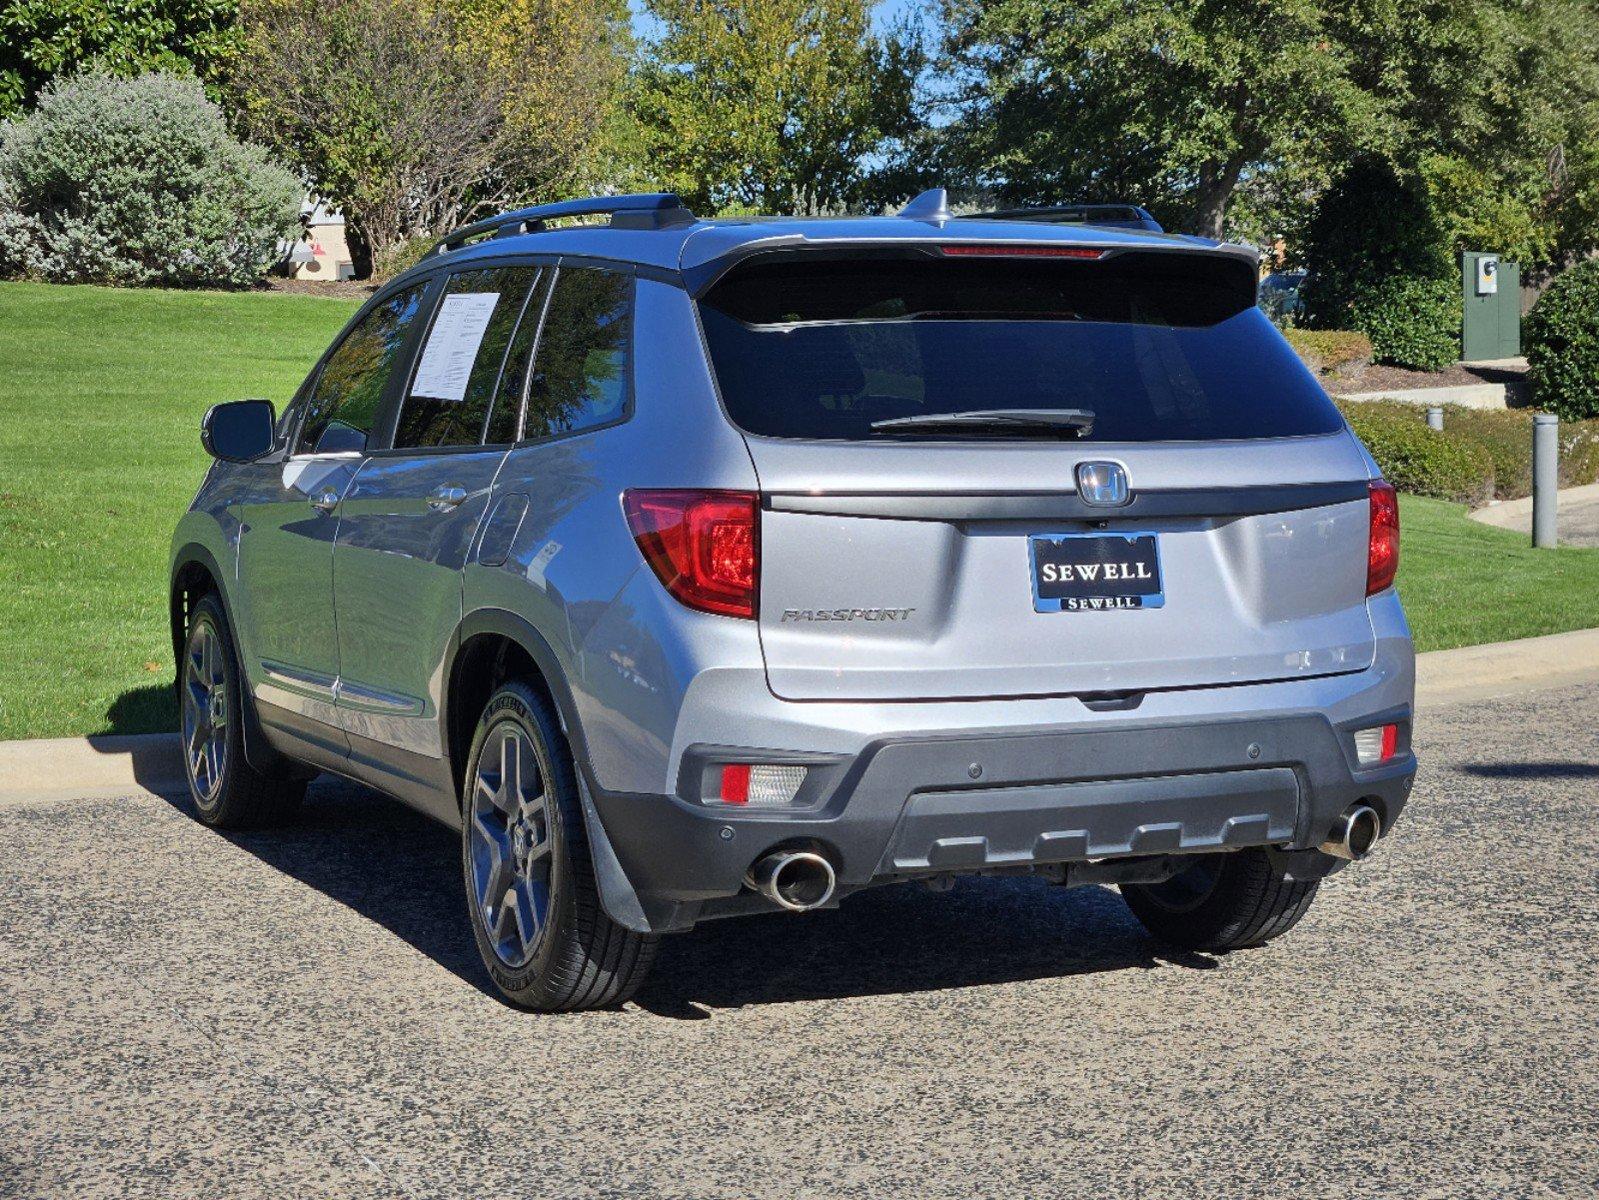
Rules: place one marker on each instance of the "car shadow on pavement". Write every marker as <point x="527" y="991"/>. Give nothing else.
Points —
<point x="401" y="870"/>
<point x="903" y="939"/>
<point x="1533" y="770"/>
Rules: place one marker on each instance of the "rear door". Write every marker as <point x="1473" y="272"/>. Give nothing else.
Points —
<point x="922" y="560"/>
<point x="409" y="518"/>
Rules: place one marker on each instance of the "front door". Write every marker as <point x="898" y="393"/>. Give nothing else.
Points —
<point x="288" y="628"/>
<point x="408" y="522"/>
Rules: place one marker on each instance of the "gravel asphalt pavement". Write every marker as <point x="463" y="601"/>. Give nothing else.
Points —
<point x="300" y="1013"/>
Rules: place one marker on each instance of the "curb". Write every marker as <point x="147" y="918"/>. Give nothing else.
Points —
<point x="1513" y="514"/>
<point x="69" y="768"/>
<point x="1467" y="395"/>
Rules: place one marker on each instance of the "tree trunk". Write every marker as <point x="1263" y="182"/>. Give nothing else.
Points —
<point x="1213" y="192"/>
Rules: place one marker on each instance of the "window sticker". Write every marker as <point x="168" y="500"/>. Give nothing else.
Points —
<point x="453" y="345"/>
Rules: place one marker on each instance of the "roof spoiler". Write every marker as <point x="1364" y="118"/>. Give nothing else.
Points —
<point x="1106" y="216"/>
<point x="641" y="210"/>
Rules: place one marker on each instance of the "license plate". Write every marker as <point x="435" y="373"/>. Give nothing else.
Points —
<point x="1091" y="572"/>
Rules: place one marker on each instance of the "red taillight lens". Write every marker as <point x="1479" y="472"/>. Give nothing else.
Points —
<point x="1390" y="741"/>
<point x="703" y="546"/>
<point x="1382" y="549"/>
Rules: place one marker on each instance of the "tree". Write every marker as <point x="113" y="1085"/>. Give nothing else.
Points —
<point x="45" y="38"/>
<point x="1199" y="108"/>
<point x="771" y="105"/>
<point x="1175" y="105"/>
<point x="413" y="118"/>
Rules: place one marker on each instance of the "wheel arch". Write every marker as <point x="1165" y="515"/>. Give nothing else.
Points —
<point x="493" y="645"/>
<point x="195" y="574"/>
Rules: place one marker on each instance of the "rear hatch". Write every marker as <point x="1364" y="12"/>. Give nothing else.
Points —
<point x="996" y="471"/>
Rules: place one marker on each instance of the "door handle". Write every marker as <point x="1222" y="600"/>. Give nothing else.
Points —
<point x="445" y="498"/>
<point x="326" y="500"/>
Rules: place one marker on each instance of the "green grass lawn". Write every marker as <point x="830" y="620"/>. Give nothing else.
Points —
<point x="1465" y="583"/>
<point x="101" y="394"/>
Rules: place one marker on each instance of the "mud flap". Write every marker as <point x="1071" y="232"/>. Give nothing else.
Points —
<point x="617" y="897"/>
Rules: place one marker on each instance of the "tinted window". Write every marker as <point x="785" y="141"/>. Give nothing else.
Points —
<point x="350" y="389"/>
<point x="458" y="369"/>
<point x="580" y="377"/>
<point x="1156" y="346"/>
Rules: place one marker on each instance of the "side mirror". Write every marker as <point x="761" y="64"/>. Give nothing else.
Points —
<point x="241" y="432"/>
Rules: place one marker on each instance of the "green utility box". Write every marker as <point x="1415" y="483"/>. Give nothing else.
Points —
<point x="1492" y="290"/>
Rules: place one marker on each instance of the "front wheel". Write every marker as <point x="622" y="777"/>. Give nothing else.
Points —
<point x="227" y="791"/>
<point x="531" y="896"/>
<point x="1222" y="902"/>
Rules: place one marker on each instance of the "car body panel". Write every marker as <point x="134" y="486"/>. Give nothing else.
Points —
<point x="397" y="564"/>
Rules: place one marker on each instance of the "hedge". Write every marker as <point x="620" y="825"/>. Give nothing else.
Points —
<point x="1412" y="320"/>
<point x="1562" y="337"/>
<point x="1330" y="351"/>
<point x="1415" y="459"/>
<point x="1503" y="435"/>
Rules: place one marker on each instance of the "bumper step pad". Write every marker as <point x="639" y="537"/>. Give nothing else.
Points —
<point x="976" y="828"/>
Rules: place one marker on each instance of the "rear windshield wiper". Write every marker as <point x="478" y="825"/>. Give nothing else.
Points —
<point x="996" y="422"/>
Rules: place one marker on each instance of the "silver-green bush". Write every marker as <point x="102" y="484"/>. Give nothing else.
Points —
<point x="138" y="181"/>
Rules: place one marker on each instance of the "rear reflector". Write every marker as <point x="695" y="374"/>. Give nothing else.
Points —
<point x="1382" y="548"/>
<point x="703" y="546"/>
<point x="1003" y="251"/>
<point x="758" y="785"/>
<point x="1377" y="744"/>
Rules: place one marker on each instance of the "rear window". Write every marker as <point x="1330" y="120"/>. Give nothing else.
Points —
<point x="1157" y="346"/>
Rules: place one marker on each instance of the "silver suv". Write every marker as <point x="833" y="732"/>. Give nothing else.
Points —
<point x="698" y="568"/>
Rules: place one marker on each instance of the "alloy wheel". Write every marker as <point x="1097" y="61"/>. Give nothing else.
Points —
<point x="205" y="711"/>
<point x="509" y="844"/>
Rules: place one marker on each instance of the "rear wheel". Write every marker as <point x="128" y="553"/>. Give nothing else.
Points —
<point x="227" y="791"/>
<point x="1222" y="902"/>
<point x="531" y="895"/>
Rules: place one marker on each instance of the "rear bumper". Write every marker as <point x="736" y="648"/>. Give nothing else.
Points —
<point x="1207" y="769"/>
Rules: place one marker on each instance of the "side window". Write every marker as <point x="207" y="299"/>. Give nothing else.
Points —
<point x="341" y="410"/>
<point x="458" y="370"/>
<point x="580" y="377"/>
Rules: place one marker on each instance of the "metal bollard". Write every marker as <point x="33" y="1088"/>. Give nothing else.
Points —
<point x="1435" y="418"/>
<point x="1545" y="478"/>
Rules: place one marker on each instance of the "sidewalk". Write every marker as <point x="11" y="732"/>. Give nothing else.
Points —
<point x="1578" y="523"/>
<point x="69" y="767"/>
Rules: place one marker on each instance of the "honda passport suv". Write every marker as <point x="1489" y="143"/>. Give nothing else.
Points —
<point x="699" y="568"/>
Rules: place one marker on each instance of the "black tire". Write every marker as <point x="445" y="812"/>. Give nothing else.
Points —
<point x="228" y="793"/>
<point x="1223" y="902"/>
<point x="520" y="850"/>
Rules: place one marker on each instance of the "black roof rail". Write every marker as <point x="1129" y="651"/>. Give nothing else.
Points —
<point x="639" y="210"/>
<point x="1113" y="216"/>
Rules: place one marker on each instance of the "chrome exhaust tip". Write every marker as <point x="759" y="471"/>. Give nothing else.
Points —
<point x="799" y="880"/>
<point x="1354" y="835"/>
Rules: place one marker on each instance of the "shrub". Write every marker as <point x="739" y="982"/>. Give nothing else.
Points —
<point x="400" y="257"/>
<point x="1415" y="459"/>
<point x="1381" y="262"/>
<point x="137" y="181"/>
<point x="1562" y="334"/>
<point x="1330" y="351"/>
<point x="1412" y="321"/>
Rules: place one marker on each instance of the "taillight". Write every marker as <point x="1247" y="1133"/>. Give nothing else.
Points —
<point x="755" y="785"/>
<point x="703" y="546"/>
<point x="1006" y="250"/>
<point x="1376" y="745"/>
<point x="1382" y="548"/>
